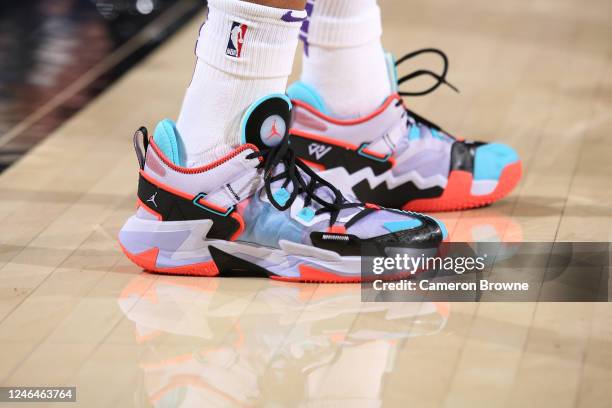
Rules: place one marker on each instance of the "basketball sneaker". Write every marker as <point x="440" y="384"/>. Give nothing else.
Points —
<point x="258" y="210"/>
<point x="396" y="158"/>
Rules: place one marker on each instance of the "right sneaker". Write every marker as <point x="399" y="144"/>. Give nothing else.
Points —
<point x="396" y="158"/>
<point x="258" y="210"/>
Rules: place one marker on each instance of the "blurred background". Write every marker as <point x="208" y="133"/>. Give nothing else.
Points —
<point x="57" y="55"/>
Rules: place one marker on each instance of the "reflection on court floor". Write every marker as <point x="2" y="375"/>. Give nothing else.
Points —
<point x="209" y="341"/>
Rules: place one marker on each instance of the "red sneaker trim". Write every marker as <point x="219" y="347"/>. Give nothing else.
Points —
<point x="148" y="259"/>
<point x="201" y="169"/>
<point x="348" y="122"/>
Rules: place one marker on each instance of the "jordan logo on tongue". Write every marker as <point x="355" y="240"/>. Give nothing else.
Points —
<point x="265" y="124"/>
<point x="273" y="130"/>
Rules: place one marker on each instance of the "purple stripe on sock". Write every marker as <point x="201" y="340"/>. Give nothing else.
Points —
<point x="309" y="7"/>
<point x="290" y="18"/>
<point x="306" y="25"/>
<point x="305" y="41"/>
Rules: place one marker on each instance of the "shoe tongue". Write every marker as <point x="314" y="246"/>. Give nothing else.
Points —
<point x="266" y="122"/>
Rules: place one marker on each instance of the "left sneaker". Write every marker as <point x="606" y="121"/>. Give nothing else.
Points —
<point x="396" y="158"/>
<point x="258" y="211"/>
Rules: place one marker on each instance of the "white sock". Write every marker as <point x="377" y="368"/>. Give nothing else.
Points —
<point x="343" y="55"/>
<point x="229" y="77"/>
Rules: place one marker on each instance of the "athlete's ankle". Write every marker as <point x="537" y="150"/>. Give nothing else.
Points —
<point x="245" y="51"/>
<point x="343" y="56"/>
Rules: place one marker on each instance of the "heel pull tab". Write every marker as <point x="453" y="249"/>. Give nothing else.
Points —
<point x="141" y="137"/>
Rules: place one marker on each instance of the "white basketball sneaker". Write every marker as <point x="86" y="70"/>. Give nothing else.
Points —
<point x="258" y="210"/>
<point x="396" y="158"/>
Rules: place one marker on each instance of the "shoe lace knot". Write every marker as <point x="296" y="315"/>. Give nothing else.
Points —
<point x="293" y="174"/>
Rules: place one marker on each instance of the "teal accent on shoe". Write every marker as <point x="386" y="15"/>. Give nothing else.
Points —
<point x="369" y="156"/>
<point x="196" y="202"/>
<point x="435" y="134"/>
<point x="306" y="214"/>
<point x="254" y="106"/>
<point x="392" y="71"/>
<point x="281" y="196"/>
<point x="395" y="226"/>
<point x="168" y="140"/>
<point x="305" y="93"/>
<point x="415" y="132"/>
<point x="491" y="159"/>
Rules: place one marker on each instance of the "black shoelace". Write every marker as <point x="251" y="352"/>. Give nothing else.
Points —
<point x="440" y="80"/>
<point x="292" y="174"/>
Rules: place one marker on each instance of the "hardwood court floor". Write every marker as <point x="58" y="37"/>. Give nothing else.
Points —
<point x="74" y="311"/>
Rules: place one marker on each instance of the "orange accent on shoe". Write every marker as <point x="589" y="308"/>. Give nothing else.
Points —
<point x="311" y="274"/>
<point x="458" y="196"/>
<point x="140" y="204"/>
<point x="313" y="165"/>
<point x="241" y="227"/>
<point x="348" y="122"/>
<point x="372" y="206"/>
<point x="337" y="229"/>
<point x="148" y="259"/>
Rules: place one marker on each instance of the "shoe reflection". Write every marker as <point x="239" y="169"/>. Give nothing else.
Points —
<point x="487" y="224"/>
<point x="244" y="342"/>
<point x="488" y="230"/>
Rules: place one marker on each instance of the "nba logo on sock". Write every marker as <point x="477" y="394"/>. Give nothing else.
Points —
<point x="236" y="39"/>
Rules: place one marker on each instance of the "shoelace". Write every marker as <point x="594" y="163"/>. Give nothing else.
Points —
<point x="440" y="80"/>
<point x="292" y="174"/>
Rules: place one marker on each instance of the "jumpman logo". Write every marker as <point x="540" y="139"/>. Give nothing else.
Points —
<point x="152" y="199"/>
<point x="274" y="131"/>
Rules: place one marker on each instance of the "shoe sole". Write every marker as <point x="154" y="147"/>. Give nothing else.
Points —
<point x="149" y="244"/>
<point x="147" y="260"/>
<point x="457" y="194"/>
